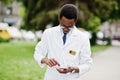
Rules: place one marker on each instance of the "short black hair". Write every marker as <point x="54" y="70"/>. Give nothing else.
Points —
<point x="69" y="11"/>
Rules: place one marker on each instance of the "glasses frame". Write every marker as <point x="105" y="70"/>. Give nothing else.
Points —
<point x="69" y="27"/>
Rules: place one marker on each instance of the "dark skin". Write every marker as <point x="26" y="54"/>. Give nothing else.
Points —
<point x="66" y="23"/>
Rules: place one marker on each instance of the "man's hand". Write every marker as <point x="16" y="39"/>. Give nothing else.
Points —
<point x="64" y="70"/>
<point x="67" y="70"/>
<point x="50" y="62"/>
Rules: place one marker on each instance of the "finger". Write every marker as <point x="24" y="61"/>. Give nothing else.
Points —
<point x="49" y="63"/>
<point x="53" y="61"/>
<point x="57" y="63"/>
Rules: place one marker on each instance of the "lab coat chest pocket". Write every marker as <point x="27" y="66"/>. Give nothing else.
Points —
<point x="73" y="51"/>
<point x="72" y="54"/>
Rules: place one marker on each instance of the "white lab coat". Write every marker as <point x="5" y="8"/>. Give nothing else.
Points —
<point x="52" y="44"/>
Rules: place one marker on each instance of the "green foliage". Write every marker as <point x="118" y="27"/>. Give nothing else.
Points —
<point x="4" y="40"/>
<point x="22" y="12"/>
<point x="103" y="8"/>
<point x="115" y="14"/>
<point x="7" y="1"/>
<point x="40" y="13"/>
<point x="94" y="23"/>
<point x="92" y="13"/>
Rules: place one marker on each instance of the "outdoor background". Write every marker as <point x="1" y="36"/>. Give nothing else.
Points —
<point x="22" y="23"/>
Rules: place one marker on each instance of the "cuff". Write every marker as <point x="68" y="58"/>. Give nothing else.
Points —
<point x="38" y="60"/>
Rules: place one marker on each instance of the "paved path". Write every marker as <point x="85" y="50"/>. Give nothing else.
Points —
<point x="106" y="65"/>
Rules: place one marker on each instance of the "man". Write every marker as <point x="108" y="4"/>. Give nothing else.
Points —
<point x="67" y="48"/>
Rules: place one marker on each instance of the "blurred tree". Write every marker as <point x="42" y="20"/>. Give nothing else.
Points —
<point x="40" y="13"/>
<point x="7" y="1"/>
<point x="95" y="12"/>
<point x="115" y="14"/>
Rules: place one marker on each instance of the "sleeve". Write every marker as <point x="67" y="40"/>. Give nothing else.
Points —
<point x="85" y="58"/>
<point x="41" y="49"/>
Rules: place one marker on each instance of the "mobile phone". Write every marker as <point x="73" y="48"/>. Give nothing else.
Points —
<point x="63" y="68"/>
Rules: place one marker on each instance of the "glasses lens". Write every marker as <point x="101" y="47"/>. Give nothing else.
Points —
<point x="67" y="27"/>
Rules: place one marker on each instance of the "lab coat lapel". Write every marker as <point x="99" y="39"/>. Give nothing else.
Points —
<point x="59" y="36"/>
<point x="71" y="37"/>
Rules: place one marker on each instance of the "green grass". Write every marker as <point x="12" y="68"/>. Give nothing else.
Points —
<point x="17" y="63"/>
<point x="98" y="48"/>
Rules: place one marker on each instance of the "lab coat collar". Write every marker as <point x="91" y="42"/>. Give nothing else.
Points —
<point x="72" y="34"/>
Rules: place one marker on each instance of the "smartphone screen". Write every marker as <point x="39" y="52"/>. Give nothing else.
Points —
<point x="63" y="68"/>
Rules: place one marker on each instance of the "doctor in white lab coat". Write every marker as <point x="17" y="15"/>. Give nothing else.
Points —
<point x="67" y="48"/>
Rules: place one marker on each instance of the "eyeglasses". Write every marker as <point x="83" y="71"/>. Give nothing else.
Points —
<point x="69" y="27"/>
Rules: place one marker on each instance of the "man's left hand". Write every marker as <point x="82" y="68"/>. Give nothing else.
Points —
<point x="64" y="70"/>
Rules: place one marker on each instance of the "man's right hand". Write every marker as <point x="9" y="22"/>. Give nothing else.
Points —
<point x="50" y="62"/>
